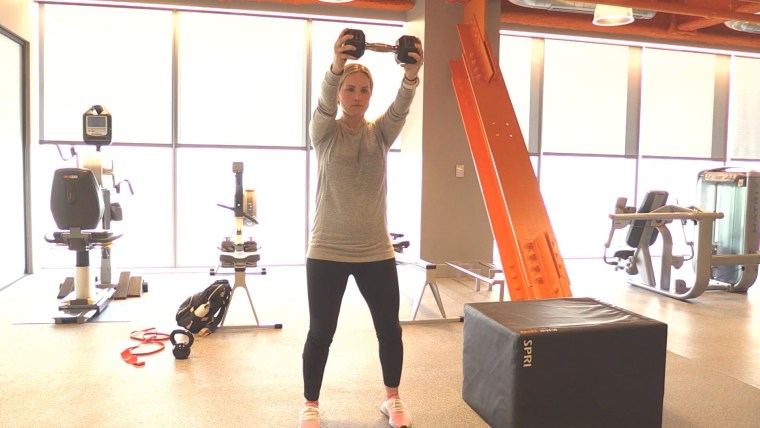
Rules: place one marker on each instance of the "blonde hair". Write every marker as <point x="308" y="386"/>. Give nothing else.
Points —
<point x="352" y="68"/>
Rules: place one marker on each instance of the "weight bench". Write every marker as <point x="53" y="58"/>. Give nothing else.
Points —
<point x="430" y="270"/>
<point x="495" y="275"/>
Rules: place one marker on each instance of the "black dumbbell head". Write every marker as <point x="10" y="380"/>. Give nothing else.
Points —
<point x="405" y="46"/>
<point x="358" y="42"/>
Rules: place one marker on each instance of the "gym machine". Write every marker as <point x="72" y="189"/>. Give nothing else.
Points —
<point x="80" y="202"/>
<point x="402" y="48"/>
<point x="726" y="253"/>
<point x="241" y="254"/>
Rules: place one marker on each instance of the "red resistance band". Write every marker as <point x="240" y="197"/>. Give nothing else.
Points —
<point x="151" y="342"/>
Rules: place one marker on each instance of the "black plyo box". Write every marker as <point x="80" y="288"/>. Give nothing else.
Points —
<point x="563" y="363"/>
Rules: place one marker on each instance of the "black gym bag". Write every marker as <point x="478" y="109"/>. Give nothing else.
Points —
<point x="205" y="309"/>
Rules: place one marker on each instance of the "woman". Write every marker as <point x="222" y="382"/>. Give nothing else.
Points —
<point x="350" y="234"/>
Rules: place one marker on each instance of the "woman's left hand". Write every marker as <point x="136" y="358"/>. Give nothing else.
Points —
<point x="411" y="70"/>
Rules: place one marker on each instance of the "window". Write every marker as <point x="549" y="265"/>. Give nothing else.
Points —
<point x="515" y="54"/>
<point x="744" y="105"/>
<point x="236" y="95"/>
<point x="205" y="179"/>
<point x="94" y="56"/>
<point x="580" y="193"/>
<point x="585" y="93"/>
<point x="12" y="105"/>
<point x="241" y="80"/>
<point x="677" y="103"/>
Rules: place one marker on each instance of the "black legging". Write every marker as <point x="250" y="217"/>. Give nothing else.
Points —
<point x="326" y="283"/>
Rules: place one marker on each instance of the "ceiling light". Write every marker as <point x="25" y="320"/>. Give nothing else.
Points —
<point x="610" y="16"/>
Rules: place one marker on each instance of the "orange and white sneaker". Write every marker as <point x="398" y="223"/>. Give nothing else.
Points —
<point x="395" y="410"/>
<point x="310" y="417"/>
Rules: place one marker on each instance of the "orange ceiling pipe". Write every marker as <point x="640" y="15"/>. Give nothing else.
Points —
<point x="709" y="22"/>
<point x="685" y="9"/>
<point x="650" y="30"/>
<point x="394" y="5"/>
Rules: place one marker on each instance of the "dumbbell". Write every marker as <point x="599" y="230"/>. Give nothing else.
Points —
<point x="403" y="47"/>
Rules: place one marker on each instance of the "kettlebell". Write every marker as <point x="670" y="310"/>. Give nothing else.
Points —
<point x="181" y="349"/>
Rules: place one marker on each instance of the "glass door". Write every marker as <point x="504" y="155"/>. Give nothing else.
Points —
<point x="13" y="250"/>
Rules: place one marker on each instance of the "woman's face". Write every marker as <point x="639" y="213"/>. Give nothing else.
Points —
<point x="354" y="95"/>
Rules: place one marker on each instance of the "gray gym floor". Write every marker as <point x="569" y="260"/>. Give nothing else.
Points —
<point x="55" y="375"/>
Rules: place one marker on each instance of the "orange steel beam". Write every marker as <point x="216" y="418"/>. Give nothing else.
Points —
<point x="530" y="257"/>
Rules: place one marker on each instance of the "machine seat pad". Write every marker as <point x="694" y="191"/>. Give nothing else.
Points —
<point x="93" y="237"/>
<point x="624" y="254"/>
<point x="248" y="260"/>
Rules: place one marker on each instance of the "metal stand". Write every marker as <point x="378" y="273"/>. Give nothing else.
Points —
<point x="430" y="282"/>
<point x="240" y="262"/>
<point x="240" y="255"/>
<point x="494" y="276"/>
<point x="81" y="299"/>
<point x="79" y="311"/>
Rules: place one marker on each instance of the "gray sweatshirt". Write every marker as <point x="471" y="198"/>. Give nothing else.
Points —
<point x="350" y="224"/>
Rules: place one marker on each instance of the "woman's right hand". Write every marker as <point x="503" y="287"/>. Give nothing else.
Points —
<point x="342" y="52"/>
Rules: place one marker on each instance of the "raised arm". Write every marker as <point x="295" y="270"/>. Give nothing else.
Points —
<point x="323" y="120"/>
<point x="391" y="122"/>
